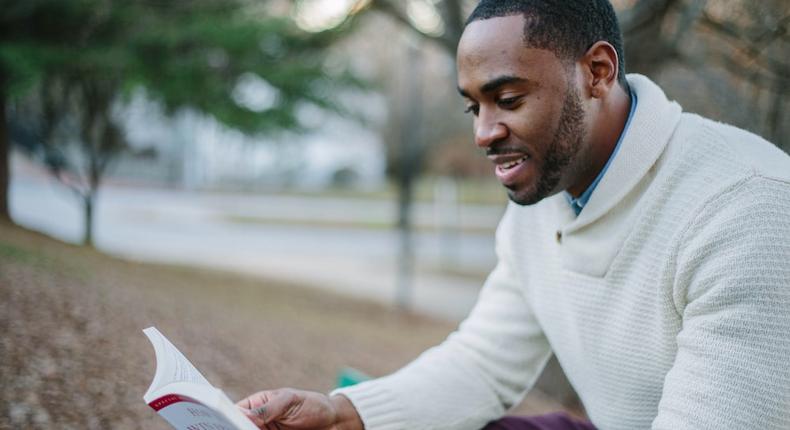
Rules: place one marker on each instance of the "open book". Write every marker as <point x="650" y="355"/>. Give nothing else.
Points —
<point x="183" y="397"/>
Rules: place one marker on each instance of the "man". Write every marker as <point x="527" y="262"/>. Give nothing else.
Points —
<point x="649" y="249"/>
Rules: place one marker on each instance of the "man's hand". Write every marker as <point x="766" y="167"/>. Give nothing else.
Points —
<point x="287" y="408"/>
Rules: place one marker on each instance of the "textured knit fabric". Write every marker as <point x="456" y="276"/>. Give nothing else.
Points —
<point x="666" y="301"/>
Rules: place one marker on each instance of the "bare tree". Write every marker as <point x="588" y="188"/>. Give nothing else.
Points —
<point x="411" y="155"/>
<point x="418" y="80"/>
<point x="5" y="171"/>
<point x="736" y="49"/>
<point x="451" y="11"/>
<point x="71" y="129"/>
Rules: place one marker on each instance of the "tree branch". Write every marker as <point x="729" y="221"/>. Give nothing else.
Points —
<point x="388" y="8"/>
<point x="752" y="76"/>
<point x="643" y="13"/>
<point x="453" y="16"/>
<point x="736" y="32"/>
<point x="749" y="48"/>
<point x="690" y="13"/>
<point x="62" y="177"/>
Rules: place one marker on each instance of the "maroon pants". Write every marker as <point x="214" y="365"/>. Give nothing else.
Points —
<point x="555" y="421"/>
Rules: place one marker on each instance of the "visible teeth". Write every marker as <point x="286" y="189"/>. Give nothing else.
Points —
<point x="512" y="164"/>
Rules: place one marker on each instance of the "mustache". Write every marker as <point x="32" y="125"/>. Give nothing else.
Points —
<point x="503" y="148"/>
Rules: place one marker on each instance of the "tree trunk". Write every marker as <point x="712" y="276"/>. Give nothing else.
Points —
<point x="88" y="201"/>
<point x="453" y="16"/>
<point x="408" y="171"/>
<point x="775" y="116"/>
<point x="447" y="219"/>
<point x="646" y="47"/>
<point x="406" y="254"/>
<point x="5" y="149"/>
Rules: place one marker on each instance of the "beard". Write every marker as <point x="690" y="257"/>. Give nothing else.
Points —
<point x="560" y="155"/>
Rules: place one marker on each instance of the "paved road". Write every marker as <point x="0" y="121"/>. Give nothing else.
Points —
<point x="315" y="245"/>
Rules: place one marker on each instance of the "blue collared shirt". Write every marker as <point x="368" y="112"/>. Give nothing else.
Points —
<point x="578" y="203"/>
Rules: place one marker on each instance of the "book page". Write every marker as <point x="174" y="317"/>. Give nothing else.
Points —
<point x="171" y="365"/>
<point x="188" y="406"/>
<point x="186" y="413"/>
<point x="183" y="397"/>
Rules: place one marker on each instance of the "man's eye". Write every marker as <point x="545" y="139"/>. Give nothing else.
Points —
<point x="507" y="102"/>
<point x="473" y="109"/>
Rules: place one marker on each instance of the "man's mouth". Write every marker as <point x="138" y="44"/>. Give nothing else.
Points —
<point x="511" y="164"/>
<point x="511" y="168"/>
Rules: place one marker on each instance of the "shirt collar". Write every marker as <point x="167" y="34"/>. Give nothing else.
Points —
<point x="578" y="203"/>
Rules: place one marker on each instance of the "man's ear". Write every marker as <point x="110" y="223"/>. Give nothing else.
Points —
<point x="600" y="68"/>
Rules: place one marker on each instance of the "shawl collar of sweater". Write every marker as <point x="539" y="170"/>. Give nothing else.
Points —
<point x="591" y="241"/>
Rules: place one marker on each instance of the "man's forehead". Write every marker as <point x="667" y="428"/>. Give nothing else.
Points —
<point x="491" y="38"/>
<point x="495" y="47"/>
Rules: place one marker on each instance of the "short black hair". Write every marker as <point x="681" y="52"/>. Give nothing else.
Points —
<point x="567" y="27"/>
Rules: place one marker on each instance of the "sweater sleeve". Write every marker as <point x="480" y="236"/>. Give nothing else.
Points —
<point x="472" y="377"/>
<point x="732" y="368"/>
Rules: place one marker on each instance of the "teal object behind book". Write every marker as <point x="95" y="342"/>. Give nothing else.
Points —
<point x="349" y="376"/>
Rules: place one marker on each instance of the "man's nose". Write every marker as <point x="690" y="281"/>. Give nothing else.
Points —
<point x="488" y="130"/>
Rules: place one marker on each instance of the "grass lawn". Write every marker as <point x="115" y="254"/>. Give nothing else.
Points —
<point x="72" y="354"/>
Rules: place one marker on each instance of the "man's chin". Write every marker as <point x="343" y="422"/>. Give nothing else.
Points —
<point x="523" y="197"/>
<point x="530" y="195"/>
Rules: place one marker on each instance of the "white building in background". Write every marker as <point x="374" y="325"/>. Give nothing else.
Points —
<point x="195" y="151"/>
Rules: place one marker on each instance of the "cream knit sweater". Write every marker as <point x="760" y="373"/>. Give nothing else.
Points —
<point x="666" y="301"/>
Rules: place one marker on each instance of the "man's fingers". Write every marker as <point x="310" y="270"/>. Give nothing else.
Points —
<point x="267" y="406"/>
<point x="244" y="403"/>
<point x="258" y="399"/>
<point x="258" y="421"/>
<point x="254" y="406"/>
<point x="277" y="406"/>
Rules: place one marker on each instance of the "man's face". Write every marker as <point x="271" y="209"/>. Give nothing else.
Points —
<point x="528" y="114"/>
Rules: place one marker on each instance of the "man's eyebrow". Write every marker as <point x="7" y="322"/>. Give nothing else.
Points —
<point x="496" y="83"/>
<point x="501" y="81"/>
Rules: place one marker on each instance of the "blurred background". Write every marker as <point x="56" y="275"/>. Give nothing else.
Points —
<point x="284" y="188"/>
